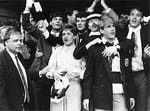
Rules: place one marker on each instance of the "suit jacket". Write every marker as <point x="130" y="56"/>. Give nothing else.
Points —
<point x="11" y="87"/>
<point x="145" y="39"/>
<point x="97" y="84"/>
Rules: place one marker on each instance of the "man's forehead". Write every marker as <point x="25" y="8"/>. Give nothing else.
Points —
<point x="81" y="18"/>
<point x="135" y="11"/>
<point x="17" y="35"/>
<point x="107" y="21"/>
<point x="66" y="30"/>
<point x="57" y="17"/>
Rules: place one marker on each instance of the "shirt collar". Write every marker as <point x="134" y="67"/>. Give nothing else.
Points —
<point x="69" y="47"/>
<point x="115" y="41"/>
<point x="94" y="33"/>
<point x="135" y="29"/>
<point x="56" y="34"/>
<point x="11" y="54"/>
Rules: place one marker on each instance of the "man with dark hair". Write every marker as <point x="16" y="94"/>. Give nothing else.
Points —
<point x="139" y="34"/>
<point x="71" y="16"/>
<point x="47" y="41"/>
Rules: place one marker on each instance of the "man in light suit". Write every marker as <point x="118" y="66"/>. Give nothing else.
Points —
<point x="14" y="80"/>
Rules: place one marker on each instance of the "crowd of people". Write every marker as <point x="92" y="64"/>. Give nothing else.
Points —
<point x="77" y="61"/>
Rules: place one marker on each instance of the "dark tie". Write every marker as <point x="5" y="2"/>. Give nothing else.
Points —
<point x="133" y="38"/>
<point x="23" y="80"/>
<point x="108" y="44"/>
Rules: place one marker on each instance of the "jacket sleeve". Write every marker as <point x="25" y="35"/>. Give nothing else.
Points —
<point x="80" y="51"/>
<point x="36" y="33"/>
<point x="88" y="76"/>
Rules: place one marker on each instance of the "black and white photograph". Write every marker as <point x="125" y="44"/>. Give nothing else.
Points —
<point x="74" y="55"/>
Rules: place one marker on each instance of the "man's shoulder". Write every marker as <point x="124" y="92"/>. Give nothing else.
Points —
<point x="95" y="48"/>
<point x="3" y="55"/>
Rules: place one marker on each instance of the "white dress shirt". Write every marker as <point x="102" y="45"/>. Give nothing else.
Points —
<point x="137" y="63"/>
<point x="62" y="58"/>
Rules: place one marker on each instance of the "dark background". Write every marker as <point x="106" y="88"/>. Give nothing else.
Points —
<point x="120" y="6"/>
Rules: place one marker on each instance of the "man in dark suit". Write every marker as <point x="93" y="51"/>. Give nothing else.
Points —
<point x="107" y="78"/>
<point x="14" y="80"/>
<point x="139" y="33"/>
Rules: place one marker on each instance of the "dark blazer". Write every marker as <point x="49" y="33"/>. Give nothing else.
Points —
<point x="97" y="84"/>
<point x="11" y="87"/>
<point x="145" y="39"/>
<point x="81" y="50"/>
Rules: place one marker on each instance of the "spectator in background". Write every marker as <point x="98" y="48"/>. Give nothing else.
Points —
<point x="71" y="15"/>
<point x="92" y="36"/>
<point x="46" y="41"/>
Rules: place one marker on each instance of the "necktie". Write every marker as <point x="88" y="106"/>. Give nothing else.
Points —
<point x="133" y="38"/>
<point x="23" y="80"/>
<point x="108" y="44"/>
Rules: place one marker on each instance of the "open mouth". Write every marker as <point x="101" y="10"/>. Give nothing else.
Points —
<point x="65" y="40"/>
<point x="133" y="21"/>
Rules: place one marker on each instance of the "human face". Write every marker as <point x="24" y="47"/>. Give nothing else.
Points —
<point x="135" y="18"/>
<point x="109" y="31"/>
<point x="68" y="37"/>
<point x="56" y="23"/>
<point x="73" y="16"/>
<point x="14" y="43"/>
<point x="94" y="24"/>
<point x="81" y="23"/>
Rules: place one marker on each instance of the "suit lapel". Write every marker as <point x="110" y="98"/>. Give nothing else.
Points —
<point x="107" y="66"/>
<point x="105" y="61"/>
<point x="11" y="66"/>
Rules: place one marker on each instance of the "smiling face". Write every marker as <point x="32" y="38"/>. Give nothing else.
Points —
<point x="81" y="23"/>
<point x="68" y="37"/>
<point x="94" y="24"/>
<point x="135" y="18"/>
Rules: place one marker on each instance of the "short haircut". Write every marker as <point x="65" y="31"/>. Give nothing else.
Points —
<point x="82" y="14"/>
<point x="10" y="30"/>
<point x="106" y="20"/>
<point x="138" y="9"/>
<point x="72" y="28"/>
<point x="56" y="14"/>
